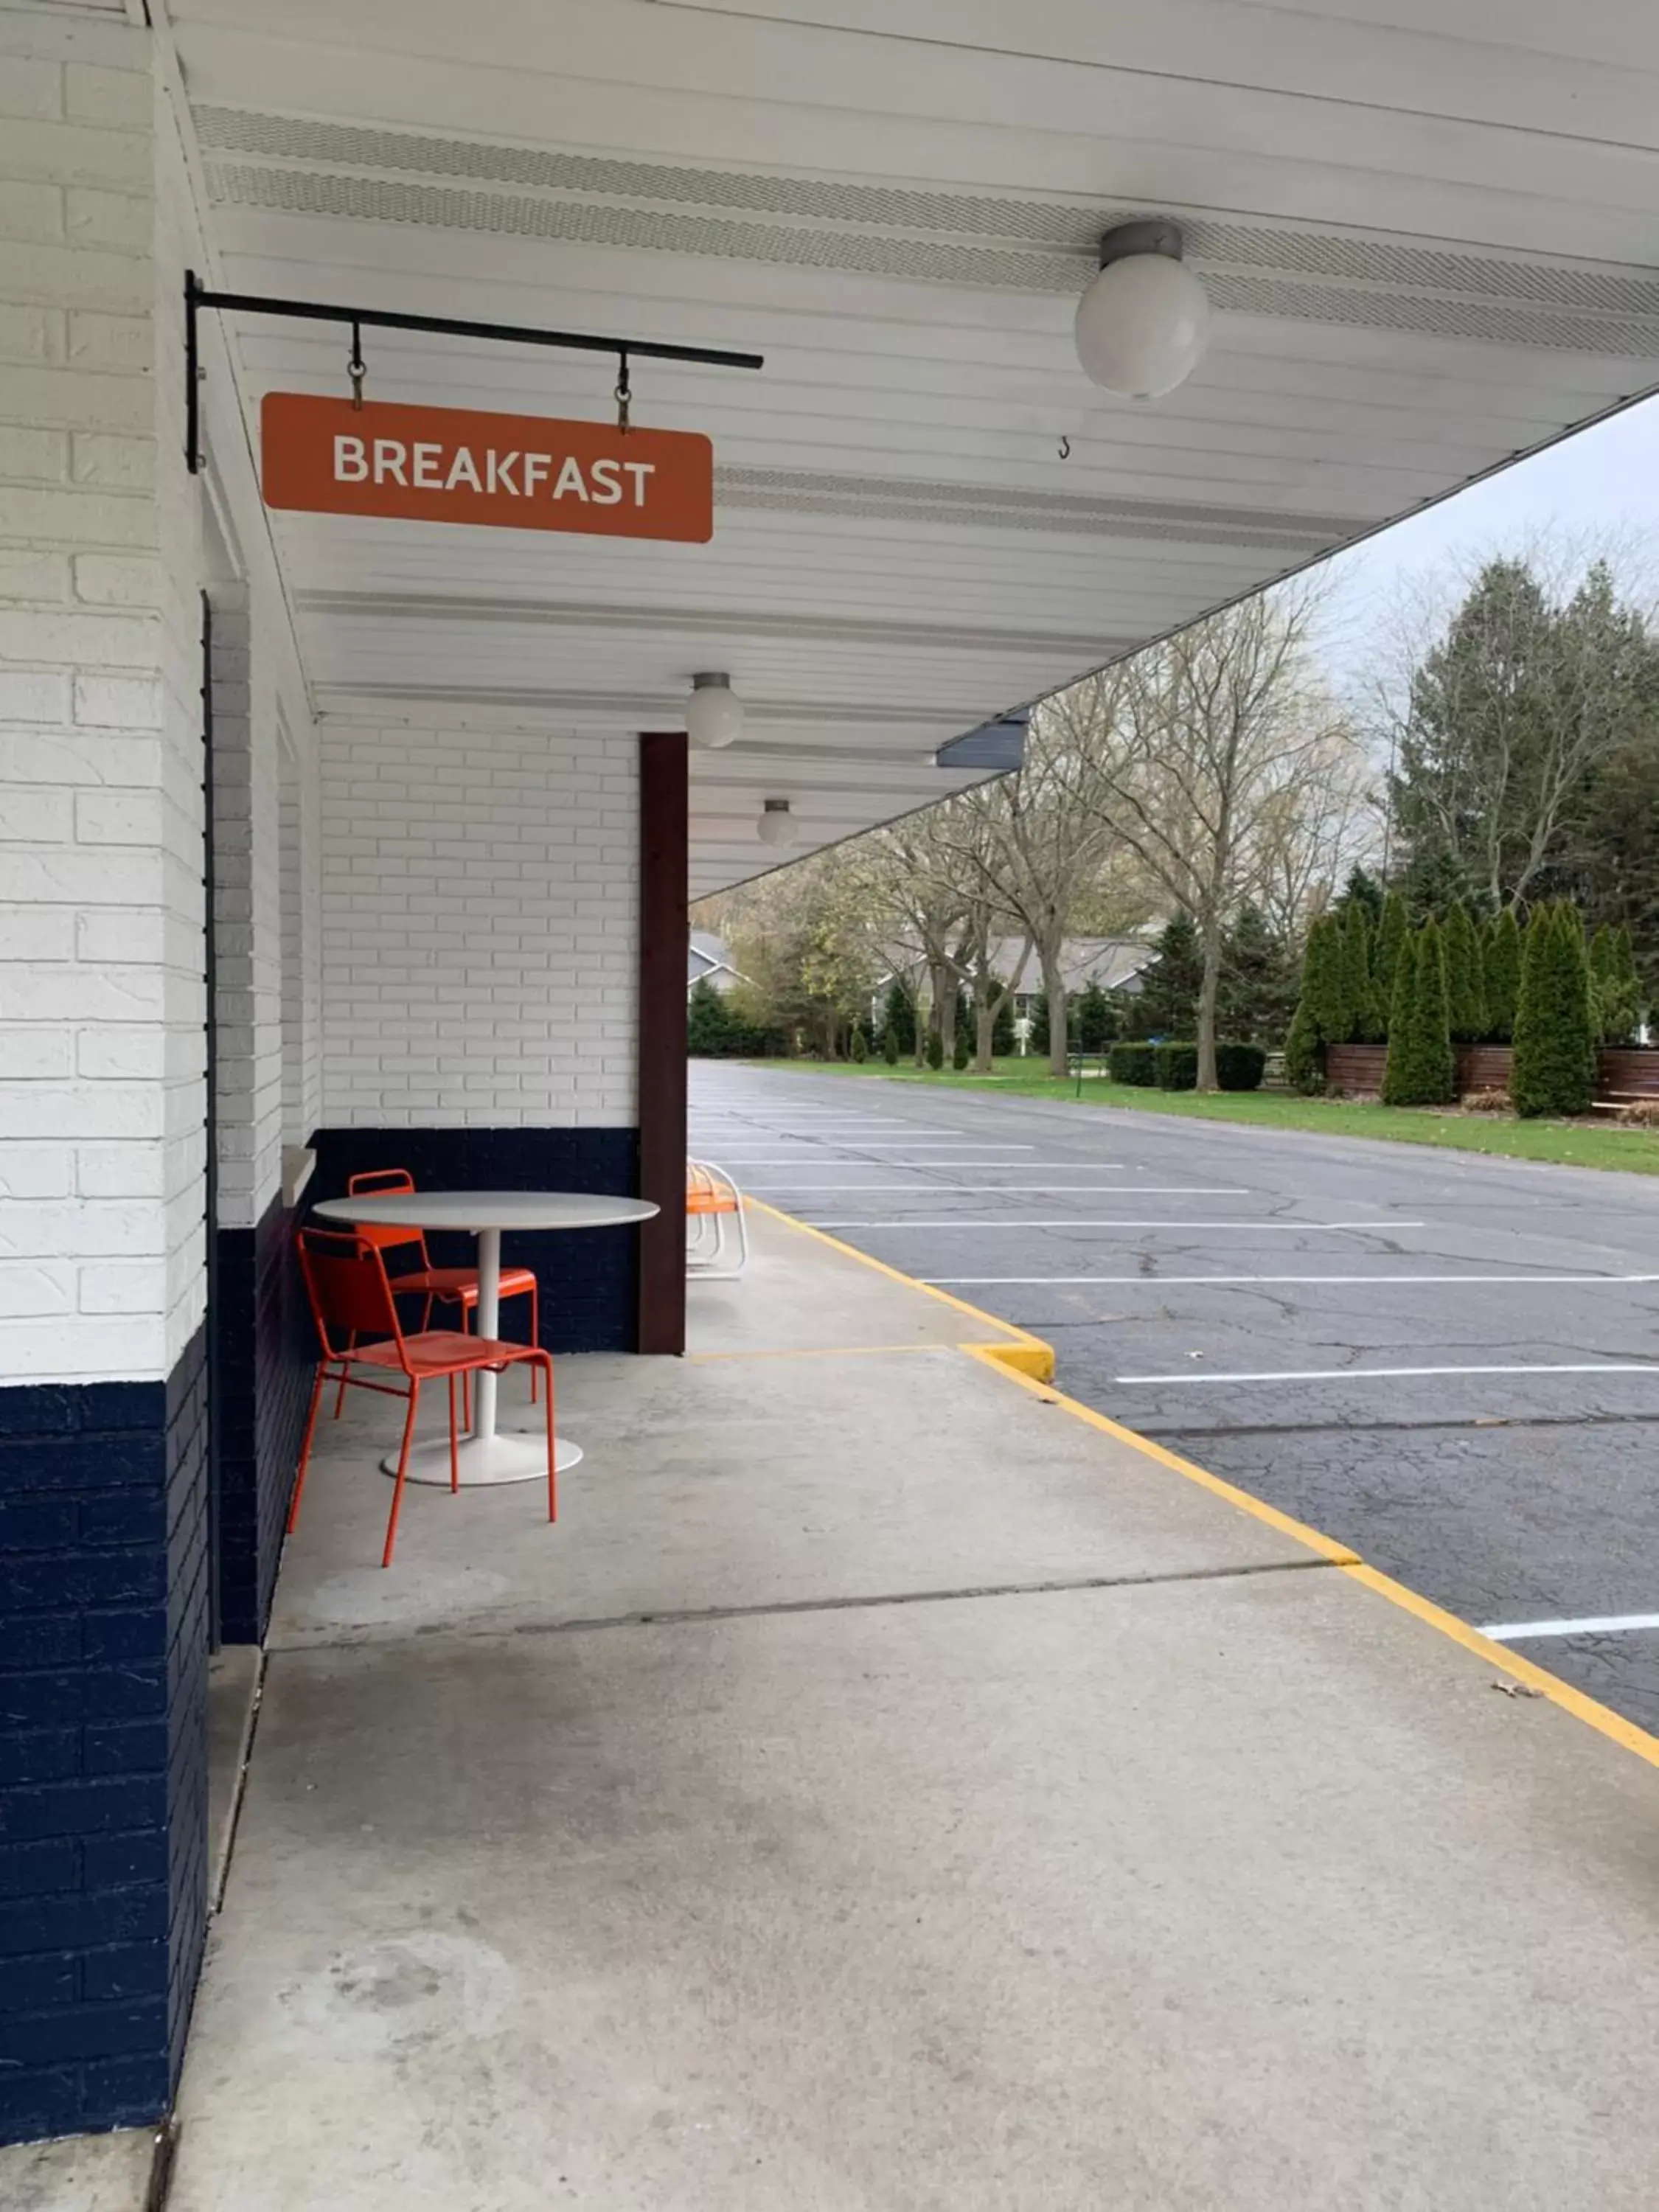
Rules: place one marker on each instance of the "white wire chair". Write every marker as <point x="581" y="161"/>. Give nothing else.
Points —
<point x="713" y="1198"/>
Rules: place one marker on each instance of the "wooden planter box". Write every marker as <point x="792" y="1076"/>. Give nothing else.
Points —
<point x="1621" y="1071"/>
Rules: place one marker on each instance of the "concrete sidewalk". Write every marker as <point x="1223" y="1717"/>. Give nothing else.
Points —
<point x="882" y="1790"/>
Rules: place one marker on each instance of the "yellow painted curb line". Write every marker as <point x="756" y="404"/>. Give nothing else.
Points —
<point x="1589" y="1709"/>
<point x="1022" y="1355"/>
<point x="1031" y="1362"/>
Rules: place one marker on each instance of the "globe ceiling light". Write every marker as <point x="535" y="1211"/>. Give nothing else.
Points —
<point x="714" y="713"/>
<point x="776" y="825"/>
<point x="1144" y="323"/>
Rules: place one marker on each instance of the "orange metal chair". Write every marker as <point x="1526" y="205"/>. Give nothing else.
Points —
<point x="353" y="1305"/>
<point x="448" y="1286"/>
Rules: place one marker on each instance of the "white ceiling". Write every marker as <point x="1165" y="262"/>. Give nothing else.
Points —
<point x="1431" y="246"/>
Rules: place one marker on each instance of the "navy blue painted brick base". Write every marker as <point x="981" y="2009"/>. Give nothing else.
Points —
<point x="588" y="1279"/>
<point x="266" y="1358"/>
<point x="103" y="1745"/>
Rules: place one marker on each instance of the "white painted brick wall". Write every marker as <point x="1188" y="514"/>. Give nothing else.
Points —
<point x="97" y="907"/>
<point x="480" y="928"/>
<point x="101" y="994"/>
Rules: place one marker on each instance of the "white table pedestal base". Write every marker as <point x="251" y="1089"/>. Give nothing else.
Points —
<point x="485" y="1461"/>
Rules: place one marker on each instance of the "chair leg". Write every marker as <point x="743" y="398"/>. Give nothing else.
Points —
<point x="345" y="1370"/>
<point x="535" y="1336"/>
<point x="402" y="1469"/>
<point x="305" y="1449"/>
<point x="552" y="1445"/>
<point x="454" y="1446"/>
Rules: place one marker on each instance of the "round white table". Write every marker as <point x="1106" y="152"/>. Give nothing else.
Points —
<point x="486" y="1456"/>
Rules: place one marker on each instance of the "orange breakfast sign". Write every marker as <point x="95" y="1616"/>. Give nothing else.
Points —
<point x="508" y="471"/>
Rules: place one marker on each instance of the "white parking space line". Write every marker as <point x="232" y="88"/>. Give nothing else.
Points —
<point x="1389" y="1374"/>
<point x="1610" y="1624"/>
<point x="972" y="1189"/>
<point x="1370" y="1282"/>
<point x="1182" y="1225"/>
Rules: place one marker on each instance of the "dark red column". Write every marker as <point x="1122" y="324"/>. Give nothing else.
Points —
<point x="664" y="927"/>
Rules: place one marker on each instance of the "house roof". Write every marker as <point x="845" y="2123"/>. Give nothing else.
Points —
<point x="1111" y="961"/>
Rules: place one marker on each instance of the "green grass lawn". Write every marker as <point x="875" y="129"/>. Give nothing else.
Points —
<point x="1571" y="1144"/>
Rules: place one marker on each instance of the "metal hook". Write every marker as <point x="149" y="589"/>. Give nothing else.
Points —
<point x="624" y="392"/>
<point x="1065" y="449"/>
<point x="356" y="367"/>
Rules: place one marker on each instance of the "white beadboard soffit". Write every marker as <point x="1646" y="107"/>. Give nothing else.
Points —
<point x="1423" y="240"/>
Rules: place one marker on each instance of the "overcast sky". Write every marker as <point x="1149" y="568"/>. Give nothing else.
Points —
<point x="1601" y="486"/>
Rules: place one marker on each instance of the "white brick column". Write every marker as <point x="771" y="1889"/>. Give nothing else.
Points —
<point x="247" y="918"/>
<point x="100" y="864"/>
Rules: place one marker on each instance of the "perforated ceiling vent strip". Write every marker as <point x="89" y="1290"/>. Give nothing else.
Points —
<point x="1073" y="228"/>
<point x="916" y="260"/>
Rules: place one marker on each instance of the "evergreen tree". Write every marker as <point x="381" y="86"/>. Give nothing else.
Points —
<point x="1169" y="986"/>
<point x="1500" y="959"/>
<point x="898" y="1017"/>
<point x="1325" y="980"/>
<point x="1554" y="1069"/>
<point x="708" y="1021"/>
<point x="1259" y="983"/>
<point x="1096" y="1023"/>
<point x="890" y="1047"/>
<point x="1392" y="933"/>
<point x="1421" y="1069"/>
<point x="1433" y="880"/>
<point x="1466" y="991"/>
<point x="1362" y="890"/>
<point x="935" y="1051"/>
<point x="1357" y="998"/>
<point x="1039" y="1018"/>
<point x="1321" y="1014"/>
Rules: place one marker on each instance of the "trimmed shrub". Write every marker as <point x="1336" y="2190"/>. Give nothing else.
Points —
<point x="1304" y="1068"/>
<point x="962" y="1052"/>
<point x="1176" y="1065"/>
<point x="1465" y="992"/>
<point x="935" y="1051"/>
<point x="1359" y="1007"/>
<point x="1554" y="1065"/>
<point x="1385" y="957"/>
<point x="898" y="1017"/>
<point x="1615" y="986"/>
<point x="1134" y="1064"/>
<point x="1240" y="1066"/>
<point x="859" y="1049"/>
<point x="890" y="1045"/>
<point x="1421" y="1069"/>
<point x="1500" y="961"/>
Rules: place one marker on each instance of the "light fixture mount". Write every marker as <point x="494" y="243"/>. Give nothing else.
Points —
<point x="1153" y="234"/>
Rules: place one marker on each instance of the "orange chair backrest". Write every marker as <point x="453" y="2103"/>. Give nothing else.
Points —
<point x="384" y="1180"/>
<point x="351" y="1296"/>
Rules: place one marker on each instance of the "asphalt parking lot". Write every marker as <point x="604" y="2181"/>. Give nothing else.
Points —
<point x="1449" y="1361"/>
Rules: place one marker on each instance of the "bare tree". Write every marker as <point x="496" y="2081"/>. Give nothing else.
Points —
<point x="1195" y="754"/>
<point x="1033" y="854"/>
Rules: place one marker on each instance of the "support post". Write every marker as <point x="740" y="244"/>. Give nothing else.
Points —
<point x="665" y="930"/>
